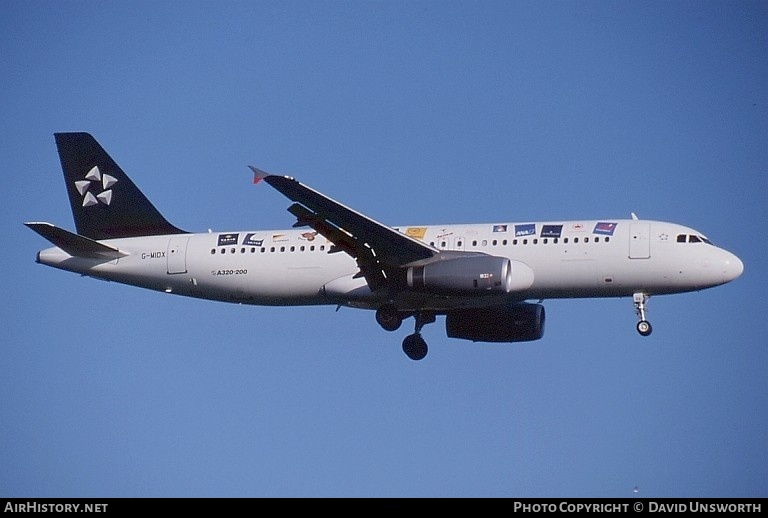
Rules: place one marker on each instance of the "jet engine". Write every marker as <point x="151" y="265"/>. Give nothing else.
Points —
<point x="511" y="323"/>
<point x="470" y="275"/>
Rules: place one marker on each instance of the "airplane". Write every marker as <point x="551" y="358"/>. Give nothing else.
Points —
<point x="488" y="280"/>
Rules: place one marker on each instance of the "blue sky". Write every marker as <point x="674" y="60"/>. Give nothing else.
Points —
<point x="414" y="112"/>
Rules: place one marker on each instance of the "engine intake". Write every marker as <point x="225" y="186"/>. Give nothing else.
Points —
<point x="512" y="323"/>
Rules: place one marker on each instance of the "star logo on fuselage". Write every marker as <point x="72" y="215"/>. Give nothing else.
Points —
<point x="103" y="183"/>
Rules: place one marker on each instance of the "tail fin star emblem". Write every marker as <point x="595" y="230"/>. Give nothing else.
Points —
<point x="106" y="181"/>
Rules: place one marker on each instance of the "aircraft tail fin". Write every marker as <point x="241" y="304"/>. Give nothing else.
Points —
<point x="75" y="245"/>
<point x="105" y="202"/>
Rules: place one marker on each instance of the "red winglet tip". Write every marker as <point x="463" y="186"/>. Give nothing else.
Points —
<point x="258" y="174"/>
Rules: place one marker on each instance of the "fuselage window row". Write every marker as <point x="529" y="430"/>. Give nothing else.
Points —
<point x="534" y="241"/>
<point x="682" y="238"/>
<point x="272" y="249"/>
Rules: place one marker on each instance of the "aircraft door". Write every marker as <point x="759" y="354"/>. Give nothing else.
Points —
<point x="640" y="241"/>
<point x="177" y="255"/>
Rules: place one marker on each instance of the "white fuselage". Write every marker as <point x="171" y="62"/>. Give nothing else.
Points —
<point x="569" y="259"/>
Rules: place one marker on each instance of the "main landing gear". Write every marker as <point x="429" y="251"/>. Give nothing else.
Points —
<point x="643" y="326"/>
<point x="414" y="345"/>
<point x="389" y="317"/>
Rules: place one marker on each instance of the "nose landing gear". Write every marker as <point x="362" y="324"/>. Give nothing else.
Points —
<point x="643" y="326"/>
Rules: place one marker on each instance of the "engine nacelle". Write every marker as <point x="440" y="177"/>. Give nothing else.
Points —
<point x="470" y="275"/>
<point x="513" y="323"/>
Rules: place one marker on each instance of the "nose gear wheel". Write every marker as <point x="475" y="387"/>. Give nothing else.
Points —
<point x="643" y="326"/>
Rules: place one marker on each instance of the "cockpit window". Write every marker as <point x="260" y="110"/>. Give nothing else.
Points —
<point x="690" y="238"/>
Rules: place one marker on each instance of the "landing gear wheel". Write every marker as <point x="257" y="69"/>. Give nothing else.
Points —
<point x="644" y="327"/>
<point x="389" y="317"/>
<point x="415" y="347"/>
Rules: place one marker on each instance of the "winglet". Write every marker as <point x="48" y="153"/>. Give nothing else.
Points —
<point x="258" y="174"/>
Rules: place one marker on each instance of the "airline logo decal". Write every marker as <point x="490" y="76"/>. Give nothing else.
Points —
<point x="604" y="228"/>
<point x="252" y="240"/>
<point x="551" y="230"/>
<point x="499" y="228"/>
<point x="96" y="187"/>
<point x="308" y="236"/>
<point x="525" y="230"/>
<point x="417" y="232"/>
<point x="228" y="239"/>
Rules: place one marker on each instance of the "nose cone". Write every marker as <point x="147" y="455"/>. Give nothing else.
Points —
<point x="732" y="267"/>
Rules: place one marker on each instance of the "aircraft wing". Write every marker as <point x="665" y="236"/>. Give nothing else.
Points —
<point x="375" y="246"/>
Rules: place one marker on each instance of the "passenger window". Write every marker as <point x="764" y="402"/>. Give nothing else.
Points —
<point x="494" y="242"/>
<point x="242" y="250"/>
<point x="213" y="251"/>
<point x="607" y="239"/>
<point x="282" y="249"/>
<point x="586" y="240"/>
<point x="312" y="248"/>
<point x="575" y="239"/>
<point x="535" y="241"/>
<point x="565" y="240"/>
<point x="545" y="241"/>
<point x="504" y="243"/>
<point x="554" y="240"/>
<point x="458" y="244"/>
<point x="514" y="241"/>
<point x="272" y="249"/>
<point x="525" y="241"/>
<point x="485" y="242"/>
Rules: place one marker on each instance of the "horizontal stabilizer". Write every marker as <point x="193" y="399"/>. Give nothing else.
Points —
<point x="74" y="244"/>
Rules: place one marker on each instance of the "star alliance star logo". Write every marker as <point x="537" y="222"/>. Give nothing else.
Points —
<point x="103" y="181"/>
